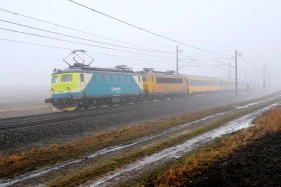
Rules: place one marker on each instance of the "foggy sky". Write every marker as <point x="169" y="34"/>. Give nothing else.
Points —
<point x="252" y="27"/>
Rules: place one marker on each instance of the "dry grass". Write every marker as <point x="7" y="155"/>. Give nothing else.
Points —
<point x="268" y="123"/>
<point x="16" y="164"/>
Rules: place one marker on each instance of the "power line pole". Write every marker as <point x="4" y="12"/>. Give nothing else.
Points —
<point x="236" y="86"/>
<point x="177" y="68"/>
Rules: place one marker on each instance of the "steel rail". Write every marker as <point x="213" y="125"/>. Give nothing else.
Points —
<point x="73" y="117"/>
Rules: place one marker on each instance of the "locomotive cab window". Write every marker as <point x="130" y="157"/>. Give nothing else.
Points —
<point x="66" y="78"/>
<point x="54" y="79"/>
<point x="82" y="77"/>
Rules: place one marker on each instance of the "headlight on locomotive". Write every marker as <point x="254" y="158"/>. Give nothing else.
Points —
<point x="68" y="89"/>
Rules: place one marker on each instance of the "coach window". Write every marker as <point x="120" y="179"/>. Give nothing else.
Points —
<point x="125" y="78"/>
<point x="118" y="78"/>
<point x="148" y="78"/>
<point x="151" y="78"/>
<point x="144" y="78"/>
<point x="132" y="79"/>
<point x="139" y="78"/>
<point x="102" y="78"/>
<point x="66" y="78"/>
<point x="111" y="78"/>
<point x="54" y="79"/>
<point x="94" y="78"/>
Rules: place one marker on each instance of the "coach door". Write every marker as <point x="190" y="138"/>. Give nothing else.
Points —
<point x="83" y="88"/>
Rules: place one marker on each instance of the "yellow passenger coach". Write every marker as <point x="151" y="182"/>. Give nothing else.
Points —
<point x="161" y="85"/>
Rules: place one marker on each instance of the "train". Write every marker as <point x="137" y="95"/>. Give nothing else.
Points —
<point x="80" y="86"/>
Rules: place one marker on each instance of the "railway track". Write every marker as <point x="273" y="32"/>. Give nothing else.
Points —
<point x="5" y="125"/>
<point x="25" y="121"/>
<point x="27" y="116"/>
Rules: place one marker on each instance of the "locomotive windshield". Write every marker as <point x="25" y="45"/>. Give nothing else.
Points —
<point x="66" y="78"/>
<point x="54" y="79"/>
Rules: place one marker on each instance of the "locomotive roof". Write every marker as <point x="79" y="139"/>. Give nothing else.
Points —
<point x="92" y="70"/>
<point x="216" y="78"/>
<point x="158" y="73"/>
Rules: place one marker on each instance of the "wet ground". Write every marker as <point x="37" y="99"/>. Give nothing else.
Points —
<point x="258" y="164"/>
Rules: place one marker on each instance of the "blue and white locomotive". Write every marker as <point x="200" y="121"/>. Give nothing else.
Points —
<point x="81" y="86"/>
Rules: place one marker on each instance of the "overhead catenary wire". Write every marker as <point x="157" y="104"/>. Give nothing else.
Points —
<point x="250" y="63"/>
<point x="153" y="33"/>
<point x="58" y="25"/>
<point x="108" y="48"/>
<point x="64" y="48"/>
<point x="65" y="27"/>
<point x="188" y="64"/>
<point x="88" y="44"/>
<point x="213" y="70"/>
<point x="205" y="57"/>
<point x="70" y="36"/>
<point x="200" y="61"/>
<point x="210" y="65"/>
<point x="216" y="66"/>
<point x="118" y="56"/>
<point x="223" y="63"/>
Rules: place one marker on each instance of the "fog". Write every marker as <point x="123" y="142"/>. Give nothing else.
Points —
<point x="251" y="27"/>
